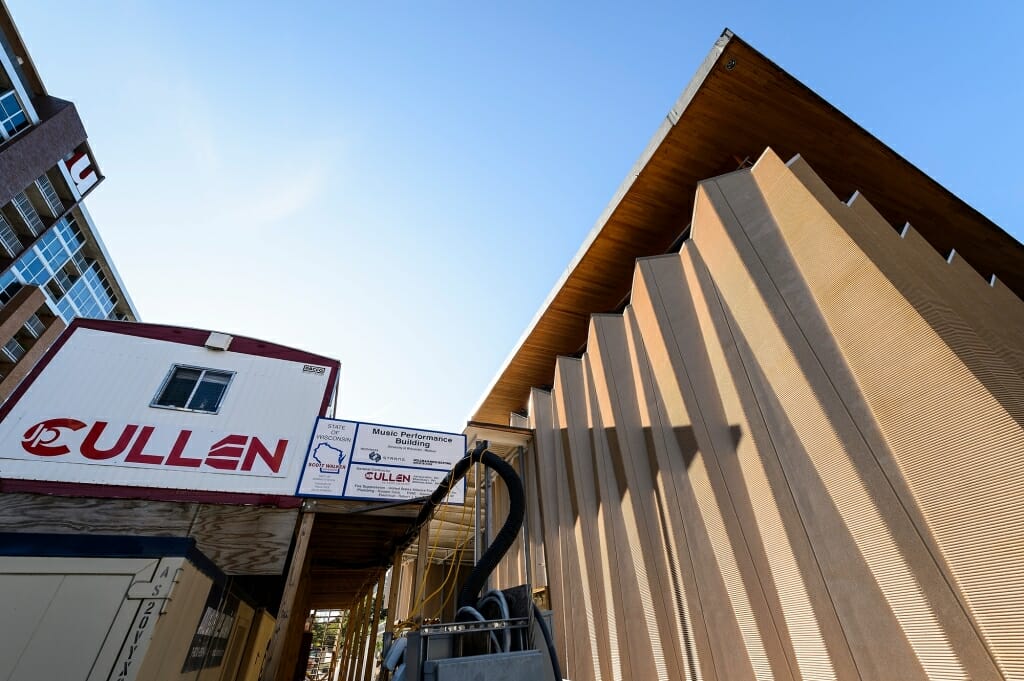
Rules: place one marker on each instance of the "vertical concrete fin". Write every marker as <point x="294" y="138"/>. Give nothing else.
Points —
<point x="860" y="325"/>
<point x="597" y="554"/>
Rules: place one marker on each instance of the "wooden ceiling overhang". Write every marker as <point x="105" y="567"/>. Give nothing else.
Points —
<point x="352" y="541"/>
<point x="738" y="104"/>
<point x="349" y="548"/>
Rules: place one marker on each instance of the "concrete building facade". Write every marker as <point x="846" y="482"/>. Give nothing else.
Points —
<point x="53" y="263"/>
<point x="777" y="409"/>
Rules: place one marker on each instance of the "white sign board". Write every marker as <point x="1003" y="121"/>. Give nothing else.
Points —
<point x="89" y="416"/>
<point x="113" y="442"/>
<point x="351" y="460"/>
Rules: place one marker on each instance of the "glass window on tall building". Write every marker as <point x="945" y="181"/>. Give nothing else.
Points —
<point x="9" y="238"/>
<point x="53" y="201"/>
<point x="28" y="213"/>
<point x="13" y="350"/>
<point x="12" y="117"/>
<point x="35" y="326"/>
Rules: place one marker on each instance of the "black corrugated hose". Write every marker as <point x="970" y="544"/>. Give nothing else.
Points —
<point x="502" y="542"/>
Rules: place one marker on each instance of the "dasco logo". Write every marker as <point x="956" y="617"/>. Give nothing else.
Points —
<point x="374" y="456"/>
<point x="313" y="369"/>
<point x="39" y="438"/>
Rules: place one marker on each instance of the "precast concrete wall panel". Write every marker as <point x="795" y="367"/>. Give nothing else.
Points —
<point x="631" y="589"/>
<point x="579" y="616"/>
<point x="761" y="606"/>
<point x="738" y="612"/>
<point x="679" y="626"/>
<point x="690" y="326"/>
<point x="538" y="573"/>
<point x="794" y="455"/>
<point x="946" y="292"/>
<point x="541" y="421"/>
<point x="991" y="350"/>
<point x="832" y="471"/>
<point x="596" y="560"/>
<point x="633" y="471"/>
<point x="952" y="425"/>
<point x="668" y="463"/>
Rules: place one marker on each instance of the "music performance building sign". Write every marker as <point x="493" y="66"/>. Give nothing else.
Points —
<point x="374" y="462"/>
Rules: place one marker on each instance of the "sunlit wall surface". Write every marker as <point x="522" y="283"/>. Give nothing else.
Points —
<point x="794" y="455"/>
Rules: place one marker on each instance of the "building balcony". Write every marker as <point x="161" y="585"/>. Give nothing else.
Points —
<point x="32" y="152"/>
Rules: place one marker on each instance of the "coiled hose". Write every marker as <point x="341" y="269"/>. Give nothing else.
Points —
<point x="502" y="541"/>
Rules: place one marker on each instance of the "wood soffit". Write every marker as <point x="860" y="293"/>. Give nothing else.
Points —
<point x="738" y="104"/>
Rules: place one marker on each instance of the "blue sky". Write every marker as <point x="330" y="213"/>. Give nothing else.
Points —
<point x="399" y="185"/>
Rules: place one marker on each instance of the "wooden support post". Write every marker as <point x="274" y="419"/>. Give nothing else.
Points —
<point x="272" y="665"/>
<point x="361" y="650"/>
<point x="357" y="668"/>
<point x="372" y="596"/>
<point x="335" y="652"/>
<point x="371" y="654"/>
<point x="421" y="572"/>
<point x="396" y="580"/>
<point x="353" y="663"/>
<point x="342" y="637"/>
<point x="527" y="568"/>
<point x="354" y="642"/>
<point x="349" y="639"/>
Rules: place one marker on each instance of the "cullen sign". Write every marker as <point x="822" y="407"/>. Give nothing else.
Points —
<point x="351" y="460"/>
<point x="106" y="442"/>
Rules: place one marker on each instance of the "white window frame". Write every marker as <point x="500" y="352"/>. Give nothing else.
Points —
<point x="9" y="239"/>
<point x="35" y="326"/>
<point x="202" y="370"/>
<point x="4" y="135"/>
<point x="28" y="213"/>
<point x="8" y="354"/>
<point x="64" y="281"/>
<point x="50" y="196"/>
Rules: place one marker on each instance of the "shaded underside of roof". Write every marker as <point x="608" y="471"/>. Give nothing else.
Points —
<point x="738" y="104"/>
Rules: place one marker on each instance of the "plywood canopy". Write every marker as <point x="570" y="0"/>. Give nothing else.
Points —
<point x="351" y="541"/>
<point x="738" y="104"/>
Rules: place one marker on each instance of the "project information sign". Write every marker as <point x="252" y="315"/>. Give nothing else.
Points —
<point x="374" y="462"/>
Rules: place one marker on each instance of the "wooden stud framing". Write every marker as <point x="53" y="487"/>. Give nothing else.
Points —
<point x="277" y="640"/>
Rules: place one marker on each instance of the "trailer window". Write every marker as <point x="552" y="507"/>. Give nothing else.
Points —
<point x="193" y="389"/>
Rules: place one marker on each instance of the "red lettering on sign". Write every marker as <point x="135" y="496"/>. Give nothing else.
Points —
<point x="387" y="477"/>
<point x="231" y="453"/>
<point x="91" y="451"/>
<point x="257" y="448"/>
<point x="39" y="438"/>
<point x="225" y="453"/>
<point x="175" y="458"/>
<point x="136" y="455"/>
<point x="82" y="172"/>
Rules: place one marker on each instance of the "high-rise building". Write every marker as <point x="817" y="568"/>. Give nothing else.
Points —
<point x="53" y="264"/>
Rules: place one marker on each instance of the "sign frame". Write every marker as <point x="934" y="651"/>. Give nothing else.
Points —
<point x="350" y="463"/>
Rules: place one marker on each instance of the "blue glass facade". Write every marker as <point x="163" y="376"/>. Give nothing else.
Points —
<point x="90" y="295"/>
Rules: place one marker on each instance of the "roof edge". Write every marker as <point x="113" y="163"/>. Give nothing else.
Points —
<point x="670" y="120"/>
<point x="189" y="334"/>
